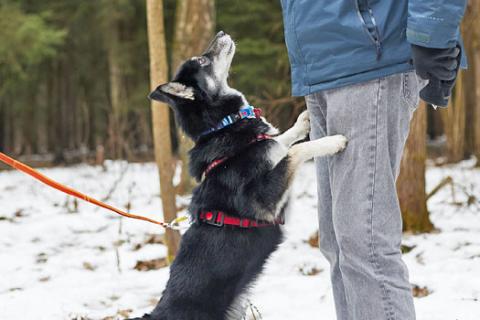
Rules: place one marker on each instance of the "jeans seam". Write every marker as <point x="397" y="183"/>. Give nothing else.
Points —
<point x="376" y="266"/>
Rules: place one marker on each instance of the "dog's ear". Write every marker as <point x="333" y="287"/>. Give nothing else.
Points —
<point x="171" y="91"/>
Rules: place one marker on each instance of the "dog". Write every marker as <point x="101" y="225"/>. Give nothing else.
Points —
<point x="245" y="170"/>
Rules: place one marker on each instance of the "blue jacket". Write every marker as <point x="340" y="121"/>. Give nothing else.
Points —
<point x="333" y="43"/>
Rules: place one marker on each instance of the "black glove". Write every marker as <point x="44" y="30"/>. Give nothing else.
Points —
<point x="440" y="67"/>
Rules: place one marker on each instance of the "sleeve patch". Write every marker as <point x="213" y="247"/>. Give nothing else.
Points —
<point x="418" y="36"/>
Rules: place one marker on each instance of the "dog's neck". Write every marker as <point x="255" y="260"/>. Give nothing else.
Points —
<point x="227" y="90"/>
<point x="225" y="143"/>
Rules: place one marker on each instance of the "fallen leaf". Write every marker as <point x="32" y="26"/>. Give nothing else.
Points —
<point x="150" y="239"/>
<point x="155" y="239"/>
<point x="89" y="266"/>
<point x="420" y="292"/>
<point x="19" y="213"/>
<point x="309" y="269"/>
<point x="406" y="249"/>
<point x="313" y="240"/>
<point x="147" y="265"/>
<point x="122" y="313"/>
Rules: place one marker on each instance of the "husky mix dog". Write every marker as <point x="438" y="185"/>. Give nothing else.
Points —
<point x="245" y="169"/>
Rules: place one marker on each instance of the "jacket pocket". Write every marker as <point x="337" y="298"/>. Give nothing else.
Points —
<point x="369" y="24"/>
<point x="411" y="89"/>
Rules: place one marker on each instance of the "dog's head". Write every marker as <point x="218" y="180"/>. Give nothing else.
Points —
<point x="199" y="93"/>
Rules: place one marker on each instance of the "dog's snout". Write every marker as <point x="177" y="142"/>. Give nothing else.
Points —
<point x="221" y="33"/>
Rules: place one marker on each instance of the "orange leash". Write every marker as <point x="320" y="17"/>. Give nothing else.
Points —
<point x="54" y="184"/>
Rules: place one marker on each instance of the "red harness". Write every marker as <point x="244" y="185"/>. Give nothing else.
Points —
<point x="220" y="218"/>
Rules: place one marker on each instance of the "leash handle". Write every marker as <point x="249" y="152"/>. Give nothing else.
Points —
<point x="74" y="193"/>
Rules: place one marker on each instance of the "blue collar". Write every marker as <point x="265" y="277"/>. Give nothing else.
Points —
<point x="248" y="112"/>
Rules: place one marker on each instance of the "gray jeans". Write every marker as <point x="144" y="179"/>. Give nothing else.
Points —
<point x="359" y="213"/>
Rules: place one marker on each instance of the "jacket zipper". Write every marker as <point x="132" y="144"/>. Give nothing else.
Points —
<point x="369" y="23"/>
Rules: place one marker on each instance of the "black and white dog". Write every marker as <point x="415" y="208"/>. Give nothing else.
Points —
<point x="246" y="170"/>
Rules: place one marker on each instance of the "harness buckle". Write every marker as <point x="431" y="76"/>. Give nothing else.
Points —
<point x="213" y="219"/>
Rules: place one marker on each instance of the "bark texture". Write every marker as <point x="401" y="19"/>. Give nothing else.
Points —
<point x="411" y="182"/>
<point x="160" y="119"/>
<point x="474" y="73"/>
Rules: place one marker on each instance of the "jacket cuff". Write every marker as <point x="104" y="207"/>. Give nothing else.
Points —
<point x="431" y="33"/>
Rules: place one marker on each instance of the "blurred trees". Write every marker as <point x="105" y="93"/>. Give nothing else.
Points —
<point x="77" y="64"/>
<point x="74" y="76"/>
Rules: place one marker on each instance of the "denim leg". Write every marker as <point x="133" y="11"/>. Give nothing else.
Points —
<point x="317" y="108"/>
<point x="365" y="212"/>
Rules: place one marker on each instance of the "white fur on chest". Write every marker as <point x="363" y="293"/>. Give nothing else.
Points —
<point x="276" y="153"/>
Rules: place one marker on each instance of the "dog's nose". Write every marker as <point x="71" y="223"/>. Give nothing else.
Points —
<point x="220" y="34"/>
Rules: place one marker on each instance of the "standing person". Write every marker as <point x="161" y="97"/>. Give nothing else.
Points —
<point x="354" y="62"/>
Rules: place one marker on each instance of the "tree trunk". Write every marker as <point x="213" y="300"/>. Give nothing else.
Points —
<point x="454" y="122"/>
<point x="454" y="116"/>
<point x="194" y="28"/>
<point x="475" y="66"/>
<point x="160" y="119"/>
<point x="411" y="182"/>
<point x="470" y="83"/>
<point x="117" y="86"/>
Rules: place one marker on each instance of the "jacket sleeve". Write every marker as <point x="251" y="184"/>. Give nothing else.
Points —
<point x="435" y="23"/>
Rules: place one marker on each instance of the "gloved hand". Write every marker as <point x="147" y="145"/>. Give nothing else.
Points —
<point x="440" y="67"/>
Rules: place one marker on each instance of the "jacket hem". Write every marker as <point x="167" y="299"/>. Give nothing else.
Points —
<point x="304" y="90"/>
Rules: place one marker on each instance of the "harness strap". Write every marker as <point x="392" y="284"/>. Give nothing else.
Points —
<point x="219" y="161"/>
<point x="220" y="219"/>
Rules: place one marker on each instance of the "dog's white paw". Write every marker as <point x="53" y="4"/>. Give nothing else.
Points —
<point x="302" y="124"/>
<point x="337" y="143"/>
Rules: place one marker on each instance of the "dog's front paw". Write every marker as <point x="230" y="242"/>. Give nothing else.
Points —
<point x="302" y="124"/>
<point x="337" y="143"/>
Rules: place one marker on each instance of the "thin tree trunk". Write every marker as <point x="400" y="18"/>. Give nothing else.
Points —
<point x="411" y="182"/>
<point x="194" y="28"/>
<point x="454" y="122"/>
<point x="160" y="119"/>
<point x="117" y="89"/>
<point x="470" y="83"/>
<point x="475" y="62"/>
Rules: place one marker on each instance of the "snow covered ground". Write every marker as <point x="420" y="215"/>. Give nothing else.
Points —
<point x="61" y="259"/>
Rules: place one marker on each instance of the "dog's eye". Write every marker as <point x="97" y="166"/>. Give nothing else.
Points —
<point x="203" y="61"/>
